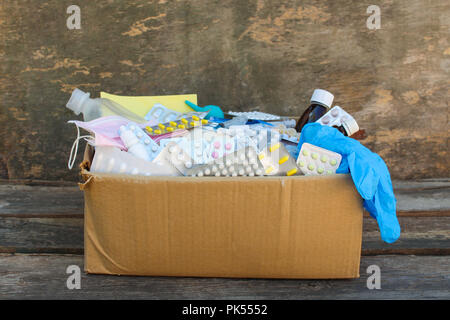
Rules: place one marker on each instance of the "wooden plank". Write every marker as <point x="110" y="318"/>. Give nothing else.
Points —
<point x="44" y="277"/>
<point x="17" y="200"/>
<point x="420" y="236"/>
<point x="41" y="235"/>
<point x="29" y="201"/>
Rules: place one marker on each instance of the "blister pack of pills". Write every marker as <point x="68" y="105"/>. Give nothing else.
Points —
<point x="335" y="117"/>
<point x="161" y="114"/>
<point x="236" y="121"/>
<point x="171" y="126"/>
<point x="176" y="156"/>
<point x="112" y="160"/>
<point x="257" y="137"/>
<point x="276" y="160"/>
<point x="313" y="160"/>
<point x="197" y="144"/>
<point x="151" y="146"/>
<point x="243" y="162"/>
<point x="256" y="115"/>
<point x="289" y="134"/>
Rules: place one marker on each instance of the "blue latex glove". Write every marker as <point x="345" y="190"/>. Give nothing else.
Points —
<point x="214" y="111"/>
<point x="369" y="173"/>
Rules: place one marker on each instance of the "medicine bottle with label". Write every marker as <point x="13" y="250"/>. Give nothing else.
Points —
<point x="321" y="101"/>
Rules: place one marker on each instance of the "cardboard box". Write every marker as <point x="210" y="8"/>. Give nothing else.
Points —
<point x="250" y="227"/>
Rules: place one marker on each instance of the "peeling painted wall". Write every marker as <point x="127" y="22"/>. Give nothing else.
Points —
<point x="241" y="55"/>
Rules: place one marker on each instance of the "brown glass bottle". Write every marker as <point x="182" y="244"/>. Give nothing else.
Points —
<point x="348" y="127"/>
<point x="321" y="101"/>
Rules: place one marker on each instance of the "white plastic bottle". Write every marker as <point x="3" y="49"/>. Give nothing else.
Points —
<point x="132" y="143"/>
<point x="80" y="102"/>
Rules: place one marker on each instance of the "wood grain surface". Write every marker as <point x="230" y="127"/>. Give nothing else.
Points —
<point x="240" y="55"/>
<point x="44" y="277"/>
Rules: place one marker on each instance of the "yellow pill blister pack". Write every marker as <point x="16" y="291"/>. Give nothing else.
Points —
<point x="314" y="160"/>
<point x="276" y="160"/>
<point x="187" y="122"/>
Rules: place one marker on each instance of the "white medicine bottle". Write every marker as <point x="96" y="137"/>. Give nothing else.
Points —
<point x="80" y="102"/>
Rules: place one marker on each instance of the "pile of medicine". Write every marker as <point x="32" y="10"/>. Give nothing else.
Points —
<point x="166" y="142"/>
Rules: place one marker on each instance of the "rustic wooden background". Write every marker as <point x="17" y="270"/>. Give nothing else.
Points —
<point x="241" y="55"/>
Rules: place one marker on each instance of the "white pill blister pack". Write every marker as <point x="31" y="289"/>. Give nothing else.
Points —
<point x="152" y="148"/>
<point x="255" y="115"/>
<point x="112" y="160"/>
<point x="243" y="162"/>
<point x="177" y="157"/>
<point x="276" y="160"/>
<point x="334" y="117"/>
<point x="313" y="160"/>
<point x="203" y="146"/>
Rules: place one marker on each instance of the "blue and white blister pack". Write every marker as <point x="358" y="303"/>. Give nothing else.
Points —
<point x="161" y="114"/>
<point x="153" y="149"/>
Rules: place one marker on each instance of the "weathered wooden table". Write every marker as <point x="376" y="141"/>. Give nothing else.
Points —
<point x="41" y="234"/>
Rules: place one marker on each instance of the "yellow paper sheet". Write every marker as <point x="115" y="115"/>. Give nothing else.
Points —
<point x="141" y="105"/>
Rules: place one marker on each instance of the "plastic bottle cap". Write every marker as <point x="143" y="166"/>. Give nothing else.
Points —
<point x="350" y="125"/>
<point x="77" y="100"/>
<point x="322" y="97"/>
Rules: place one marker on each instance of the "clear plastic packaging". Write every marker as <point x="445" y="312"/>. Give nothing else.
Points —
<point x="112" y="160"/>
<point x="276" y="160"/>
<point x="80" y="102"/>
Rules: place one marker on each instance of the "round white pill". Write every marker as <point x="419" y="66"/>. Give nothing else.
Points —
<point x="200" y="173"/>
<point x="188" y="164"/>
<point x="224" y="171"/>
<point x="207" y="171"/>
